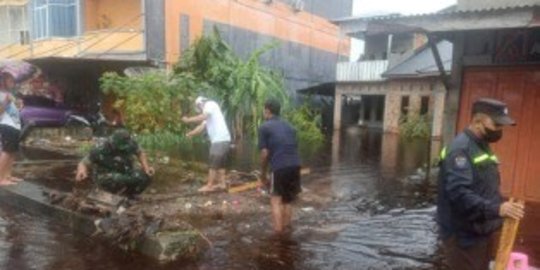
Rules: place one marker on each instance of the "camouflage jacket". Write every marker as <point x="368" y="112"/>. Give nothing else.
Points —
<point x="106" y="158"/>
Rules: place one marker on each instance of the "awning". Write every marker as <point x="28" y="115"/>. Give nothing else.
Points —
<point x="446" y="21"/>
<point x="323" y="89"/>
<point x="71" y="65"/>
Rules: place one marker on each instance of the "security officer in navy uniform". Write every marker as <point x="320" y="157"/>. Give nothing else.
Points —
<point x="470" y="208"/>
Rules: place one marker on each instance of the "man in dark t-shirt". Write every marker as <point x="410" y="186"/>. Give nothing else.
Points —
<point x="277" y="142"/>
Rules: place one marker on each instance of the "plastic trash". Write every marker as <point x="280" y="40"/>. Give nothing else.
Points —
<point x="120" y="210"/>
<point x="208" y="203"/>
<point x="518" y="261"/>
<point x="165" y="160"/>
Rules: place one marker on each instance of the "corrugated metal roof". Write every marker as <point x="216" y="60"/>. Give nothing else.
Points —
<point x="422" y="63"/>
<point x="448" y="20"/>
<point x="448" y="11"/>
<point x="323" y="89"/>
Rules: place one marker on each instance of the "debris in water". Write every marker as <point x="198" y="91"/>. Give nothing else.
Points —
<point x="208" y="203"/>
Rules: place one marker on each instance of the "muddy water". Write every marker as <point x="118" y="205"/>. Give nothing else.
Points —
<point x="357" y="211"/>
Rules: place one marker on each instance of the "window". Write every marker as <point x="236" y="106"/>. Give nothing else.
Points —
<point x="14" y="23"/>
<point x="54" y="18"/>
<point x="424" y="105"/>
<point x="404" y="105"/>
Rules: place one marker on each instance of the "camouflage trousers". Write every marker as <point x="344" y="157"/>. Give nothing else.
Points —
<point x="132" y="182"/>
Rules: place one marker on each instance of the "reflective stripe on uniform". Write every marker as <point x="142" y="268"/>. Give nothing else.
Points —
<point x="443" y="153"/>
<point x="480" y="158"/>
<point x="477" y="160"/>
<point x="485" y="157"/>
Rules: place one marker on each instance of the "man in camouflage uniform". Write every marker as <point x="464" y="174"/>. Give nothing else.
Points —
<point x="113" y="165"/>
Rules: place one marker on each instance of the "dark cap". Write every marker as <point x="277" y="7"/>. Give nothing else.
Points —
<point x="497" y="110"/>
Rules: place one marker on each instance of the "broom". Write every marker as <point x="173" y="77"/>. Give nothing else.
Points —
<point x="506" y="242"/>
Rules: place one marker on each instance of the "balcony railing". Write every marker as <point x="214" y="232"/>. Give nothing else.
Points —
<point x="97" y="44"/>
<point x="361" y="71"/>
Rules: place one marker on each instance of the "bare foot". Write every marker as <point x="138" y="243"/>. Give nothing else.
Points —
<point x="222" y="186"/>
<point x="15" y="179"/>
<point x="207" y="188"/>
<point x="7" y="183"/>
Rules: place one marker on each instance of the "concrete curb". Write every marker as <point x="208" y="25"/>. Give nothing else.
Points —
<point x="163" y="246"/>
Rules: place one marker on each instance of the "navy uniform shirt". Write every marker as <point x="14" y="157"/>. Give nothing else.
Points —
<point x="468" y="194"/>
<point x="279" y="138"/>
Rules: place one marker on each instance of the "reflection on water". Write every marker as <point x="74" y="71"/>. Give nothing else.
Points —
<point x="366" y="217"/>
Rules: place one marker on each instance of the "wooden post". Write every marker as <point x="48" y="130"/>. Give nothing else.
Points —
<point x="506" y="242"/>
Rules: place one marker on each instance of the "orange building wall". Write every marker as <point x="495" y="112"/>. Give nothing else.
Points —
<point x="109" y="14"/>
<point x="275" y="20"/>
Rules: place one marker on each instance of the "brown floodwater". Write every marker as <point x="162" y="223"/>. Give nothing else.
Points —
<point x="364" y="213"/>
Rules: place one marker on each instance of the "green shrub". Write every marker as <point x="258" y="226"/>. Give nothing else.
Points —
<point x="154" y="103"/>
<point x="307" y="122"/>
<point x="415" y="126"/>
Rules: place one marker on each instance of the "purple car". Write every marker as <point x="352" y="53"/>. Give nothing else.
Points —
<point x="44" y="112"/>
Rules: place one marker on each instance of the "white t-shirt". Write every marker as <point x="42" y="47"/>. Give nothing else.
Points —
<point x="11" y="116"/>
<point x="216" y="127"/>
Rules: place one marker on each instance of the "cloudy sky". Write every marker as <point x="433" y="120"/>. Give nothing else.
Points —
<point x="406" y="7"/>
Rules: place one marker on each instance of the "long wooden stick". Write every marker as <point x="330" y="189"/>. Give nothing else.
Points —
<point x="506" y="242"/>
<point x="244" y="187"/>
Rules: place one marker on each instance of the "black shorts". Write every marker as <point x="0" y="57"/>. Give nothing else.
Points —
<point x="286" y="183"/>
<point x="10" y="138"/>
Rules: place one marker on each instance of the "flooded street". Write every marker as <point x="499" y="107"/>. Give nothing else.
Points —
<point x="359" y="210"/>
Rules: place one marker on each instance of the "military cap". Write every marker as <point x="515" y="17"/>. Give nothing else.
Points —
<point x="497" y="110"/>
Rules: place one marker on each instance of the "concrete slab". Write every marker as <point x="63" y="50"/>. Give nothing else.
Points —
<point x="164" y="246"/>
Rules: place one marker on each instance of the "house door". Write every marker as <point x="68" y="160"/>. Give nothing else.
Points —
<point x="519" y="150"/>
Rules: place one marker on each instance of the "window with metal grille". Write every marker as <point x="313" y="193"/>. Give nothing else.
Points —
<point x="13" y="20"/>
<point x="54" y="18"/>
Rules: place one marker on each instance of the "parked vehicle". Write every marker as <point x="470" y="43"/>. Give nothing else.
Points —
<point x="92" y="118"/>
<point x="43" y="112"/>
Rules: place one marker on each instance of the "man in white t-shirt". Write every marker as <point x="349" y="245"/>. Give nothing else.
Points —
<point x="10" y="130"/>
<point x="213" y="120"/>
